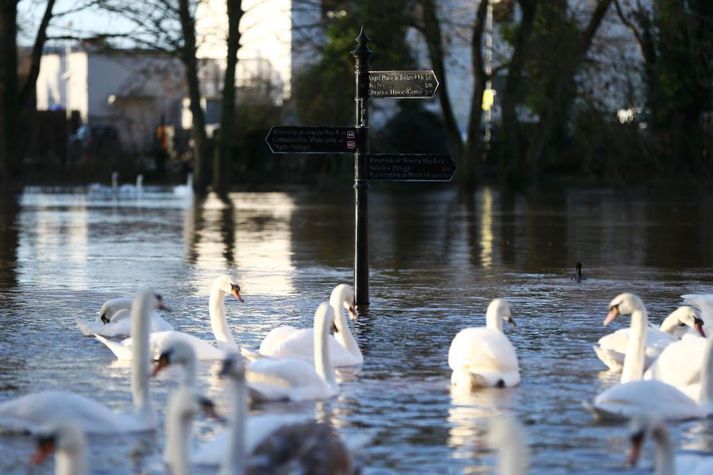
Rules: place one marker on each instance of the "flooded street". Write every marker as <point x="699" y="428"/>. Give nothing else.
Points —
<point x="436" y="260"/>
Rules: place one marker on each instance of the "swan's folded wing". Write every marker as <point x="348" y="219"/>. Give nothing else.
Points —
<point x="122" y="350"/>
<point x="88" y="328"/>
<point x="272" y="342"/>
<point x="646" y="398"/>
<point x="483" y="349"/>
<point x="680" y="363"/>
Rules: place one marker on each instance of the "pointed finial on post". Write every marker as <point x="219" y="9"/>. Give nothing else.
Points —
<point x="362" y="49"/>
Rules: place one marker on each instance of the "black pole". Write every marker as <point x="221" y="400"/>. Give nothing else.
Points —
<point x="361" y="171"/>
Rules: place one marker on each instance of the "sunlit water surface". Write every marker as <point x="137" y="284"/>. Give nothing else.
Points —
<point x="436" y="261"/>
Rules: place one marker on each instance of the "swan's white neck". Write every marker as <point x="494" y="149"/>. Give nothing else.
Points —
<point x="235" y="456"/>
<point x="322" y="361"/>
<point x="493" y="320"/>
<point x="664" y="453"/>
<point x="634" y="358"/>
<point x="344" y="334"/>
<point x="671" y="322"/>
<point x="218" y="322"/>
<point x="706" y="397"/>
<point x="141" y="357"/>
<point x="178" y="436"/>
<point x="70" y="462"/>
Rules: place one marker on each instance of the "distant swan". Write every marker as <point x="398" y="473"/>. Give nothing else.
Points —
<point x="612" y="348"/>
<point x="634" y="397"/>
<point x="114" y="319"/>
<point x="185" y="190"/>
<point x="31" y="412"/>
<point x="66" y="439"/>
<point x="299" y="343"/>
<point x="483" y="356"/>
<point x="222" y="286"/>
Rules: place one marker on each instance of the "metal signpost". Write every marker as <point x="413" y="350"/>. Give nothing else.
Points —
<point x="355" y="140"/>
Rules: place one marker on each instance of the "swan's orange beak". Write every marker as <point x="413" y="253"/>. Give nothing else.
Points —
<point x="637" y="441"/>
<point x="352" y="312"/>
<point x="698" y="325"/>
<point x="235" y="292"/>
<point x="160" y="365"/>
<point x="45" y="446"/>
<point x="613" y="313"/>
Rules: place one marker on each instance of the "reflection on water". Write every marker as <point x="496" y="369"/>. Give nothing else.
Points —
<point x="436" y="261"/>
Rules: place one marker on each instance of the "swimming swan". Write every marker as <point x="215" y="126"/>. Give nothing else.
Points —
<point x="299" y="343"/>
<point x="484" y="356"/>
<point x="634" y="397"/>
<point x="31" y="412"/>
<point x="222" y="285"/>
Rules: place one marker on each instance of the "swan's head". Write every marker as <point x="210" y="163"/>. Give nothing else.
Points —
<point x="343" y="295"/>
<point x="499" y="310"/>
<point x="225" y="284"/>
<point x="63" y="436"/>
<point x="639" y="427"/>
<point x="233" y="367"/>
<point x="187" y="402"/>
<point x="688" y="316"/>
<point x="174" y="351"/>
<point x="623" y="304"/>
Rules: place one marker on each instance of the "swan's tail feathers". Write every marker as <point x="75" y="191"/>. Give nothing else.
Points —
<point x="87" y="328"/>
<point x="610" y="358"/>
<point x="474" y="379"/>
<point x="120" y="351"/>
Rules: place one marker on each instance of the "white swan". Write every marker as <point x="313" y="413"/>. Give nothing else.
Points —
<point x="483" y="356"/>
<point x="299" y="343"/>
<point x="31" y="412"/>
<point x="507" y="436"/>
<point x="114" y="319"/>
<point x="270" y="443"/>
<point x="66" y="439"/>
<point x="186" y="190"/>
<point x="612" y="348"/>
<point x="666" y="462"/>
<point x="293" y="378"/>
<point x="634" y="397"/>
<point x="222" y="285"/>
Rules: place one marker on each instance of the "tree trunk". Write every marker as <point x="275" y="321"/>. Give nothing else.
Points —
<point x="559" y="90"/>
<point x="227" y="113"/>
<point x="473" y="140"/>
<point x="30" y="85"/>
<point x="431" y="30"/>
<point x="510" y="139"/>
<point x="9" y="168"/>
<point x="188" y="56"/>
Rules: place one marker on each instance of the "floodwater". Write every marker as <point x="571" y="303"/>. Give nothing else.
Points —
<point x="436" y="261"/>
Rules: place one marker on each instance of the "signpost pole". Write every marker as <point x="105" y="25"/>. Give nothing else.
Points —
<point x="361" y="172"/>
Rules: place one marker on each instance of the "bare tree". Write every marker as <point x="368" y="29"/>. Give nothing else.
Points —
<point x="8" y="91"/>
<point x="466" y="152"/>
<point x="227" y="114"/>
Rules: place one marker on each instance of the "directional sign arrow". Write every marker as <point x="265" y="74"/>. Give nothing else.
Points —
<point x="411" y="167"/>
<point x="290" y="139"/>
<point x="403" y="84"/>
